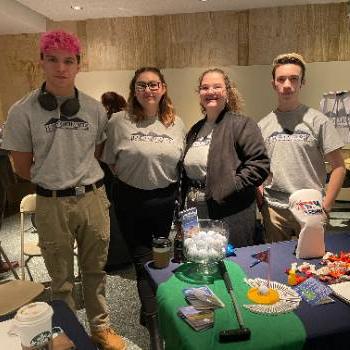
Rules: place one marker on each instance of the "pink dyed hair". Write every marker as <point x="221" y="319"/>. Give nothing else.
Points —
<point x="59" y="40"/>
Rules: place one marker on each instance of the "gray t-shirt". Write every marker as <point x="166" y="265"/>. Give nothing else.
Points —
<point x="2" y="151"/>
<point x="63" y="147"/>
<point x="296" y="143"/>
<point x="337" y="108"/>
<point x="196" y="159"/>
<point x="145" y="154"/>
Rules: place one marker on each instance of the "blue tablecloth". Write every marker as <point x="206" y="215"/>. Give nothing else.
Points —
<point x="327" y="326"/>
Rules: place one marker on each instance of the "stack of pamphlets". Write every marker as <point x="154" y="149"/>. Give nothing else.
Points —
<point x="200" y="315"/>
<point x="197" y="319"/>
<point x="202" y="298"/>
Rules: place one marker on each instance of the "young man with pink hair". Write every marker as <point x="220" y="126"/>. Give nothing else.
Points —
<point x="55" y="134"/>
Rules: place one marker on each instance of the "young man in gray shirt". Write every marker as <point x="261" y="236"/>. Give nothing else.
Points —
<point x="299" y="140"/>
<point x="55" y="134"/>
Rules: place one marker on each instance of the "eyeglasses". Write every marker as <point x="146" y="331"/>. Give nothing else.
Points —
<point x="215" y="88"/>
<point x="152" y="85"/>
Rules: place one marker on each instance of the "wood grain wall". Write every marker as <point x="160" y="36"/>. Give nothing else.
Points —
<point x="252" y="37"/>
<point x="319" y="32"/>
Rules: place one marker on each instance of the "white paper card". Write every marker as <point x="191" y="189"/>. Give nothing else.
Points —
<point x="342" y="291"/>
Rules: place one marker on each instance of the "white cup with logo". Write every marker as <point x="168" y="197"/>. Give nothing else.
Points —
<point x="33" y="323"/>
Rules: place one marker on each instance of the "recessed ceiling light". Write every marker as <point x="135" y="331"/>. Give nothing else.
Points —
<point x="76" y="8"/>
<point x="203" y="0"/>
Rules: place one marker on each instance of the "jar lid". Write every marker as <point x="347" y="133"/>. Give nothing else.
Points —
<point x="161" y="242"/>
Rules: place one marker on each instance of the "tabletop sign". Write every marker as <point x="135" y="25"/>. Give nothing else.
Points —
<point x="189" y="221"/>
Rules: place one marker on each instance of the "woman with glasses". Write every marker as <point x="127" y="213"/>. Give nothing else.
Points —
<point x="144" y="146"/>
<point x="224" y="160"/>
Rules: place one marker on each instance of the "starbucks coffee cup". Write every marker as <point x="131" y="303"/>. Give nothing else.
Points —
<point x="33" y="323"/>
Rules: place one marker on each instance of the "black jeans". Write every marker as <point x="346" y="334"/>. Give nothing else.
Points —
<point x="142" y="215"/>
<point x="7" y="178"/>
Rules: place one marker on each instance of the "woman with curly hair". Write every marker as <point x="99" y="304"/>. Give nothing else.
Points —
<point x="144" y="146"/>
<point x="224" y="160"/>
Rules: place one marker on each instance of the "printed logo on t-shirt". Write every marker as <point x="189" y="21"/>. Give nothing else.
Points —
<point x="202" y="141"/>
<point x="339" y="121"/>
<point x="289" y="136"/>
<point x="150" y="137"/>
<point x="66" y="123"/>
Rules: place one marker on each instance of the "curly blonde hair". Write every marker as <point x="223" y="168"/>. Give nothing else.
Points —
<point x="234" y="101"/>
<point x="166" y="108"/>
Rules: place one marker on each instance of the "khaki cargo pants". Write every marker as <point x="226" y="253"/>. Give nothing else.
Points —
<point x="61" y="221"/>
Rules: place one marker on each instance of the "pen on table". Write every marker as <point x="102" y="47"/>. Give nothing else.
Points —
<point x="255" y="263"/>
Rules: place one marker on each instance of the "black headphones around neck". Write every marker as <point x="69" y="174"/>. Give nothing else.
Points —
<point x="49" y="102"/>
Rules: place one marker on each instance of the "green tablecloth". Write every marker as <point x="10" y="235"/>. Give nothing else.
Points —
<point x="268" y="332"/>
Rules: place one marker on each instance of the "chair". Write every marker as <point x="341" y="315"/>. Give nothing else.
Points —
<point x="28" y="249"/>
<point x="16" y="293"/>
<point x="4" y="255"/>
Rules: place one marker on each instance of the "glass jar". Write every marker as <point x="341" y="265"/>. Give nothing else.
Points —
<point x="207" y="245"/>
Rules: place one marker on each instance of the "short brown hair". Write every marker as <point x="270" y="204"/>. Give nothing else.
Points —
<point x="234" y="99"/>
<point x="289" y="58"/>
<point x="166" y="108"/>
<point x="113" y="102"/>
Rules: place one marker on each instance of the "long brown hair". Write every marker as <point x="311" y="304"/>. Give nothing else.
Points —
<point x="166" y="108"/>
<point x="234" y="99"/>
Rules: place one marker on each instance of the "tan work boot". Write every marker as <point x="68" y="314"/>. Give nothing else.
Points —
<point x="107" y="339"/>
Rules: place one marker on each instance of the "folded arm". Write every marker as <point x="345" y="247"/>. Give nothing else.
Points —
<point x="255" y="165"/>
<point x="336" y="179"/>
<point x="23" y="162"/>
<point x="99" y="150"/>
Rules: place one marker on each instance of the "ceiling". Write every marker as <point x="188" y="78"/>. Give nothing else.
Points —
<point x="29" y="16"/>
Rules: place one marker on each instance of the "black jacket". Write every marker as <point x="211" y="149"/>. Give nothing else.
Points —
<point x="237" y="164"/>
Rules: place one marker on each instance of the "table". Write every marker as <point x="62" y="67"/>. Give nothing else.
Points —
<point x="65" y="318"/>
<point x="327" y="326"/>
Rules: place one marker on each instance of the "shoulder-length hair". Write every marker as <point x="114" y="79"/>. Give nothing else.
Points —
<point x="234" y="101"/>
<point x="166" y="111"/>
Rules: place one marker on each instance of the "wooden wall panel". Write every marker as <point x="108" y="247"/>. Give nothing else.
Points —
<point x="343" y="34"/>
<point x="19" y="67"/>
<point x="121" y="43"/>
<point x="312" y="30"/>
<point x="197" y="40"/>
<point x="243" y="38"/>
